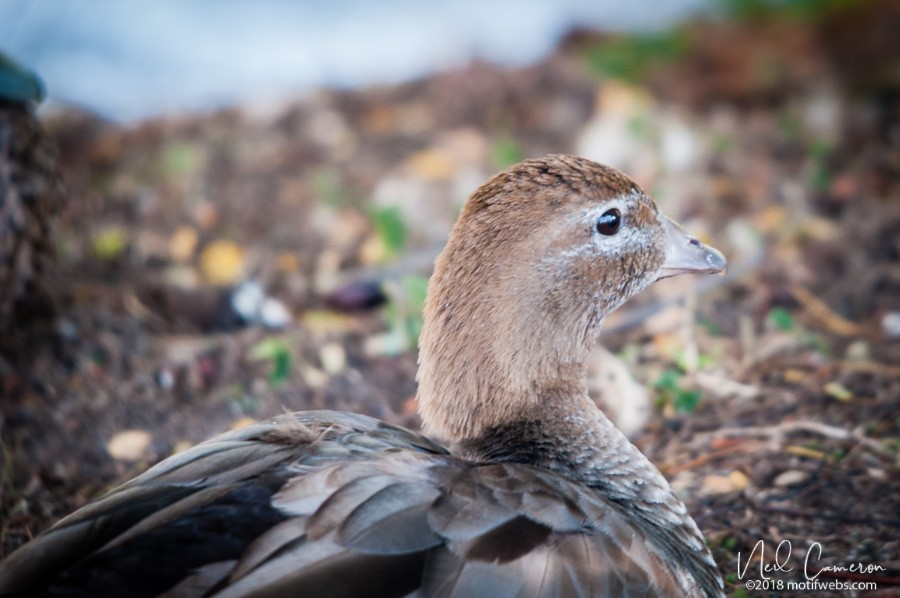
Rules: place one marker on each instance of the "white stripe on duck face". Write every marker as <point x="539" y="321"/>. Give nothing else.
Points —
<point x="629" y="235"/>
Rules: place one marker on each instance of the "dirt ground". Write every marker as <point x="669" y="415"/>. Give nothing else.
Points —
<point x="773" y="392"/>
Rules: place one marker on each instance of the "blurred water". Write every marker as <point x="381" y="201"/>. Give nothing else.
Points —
<point x="132" y="60"/>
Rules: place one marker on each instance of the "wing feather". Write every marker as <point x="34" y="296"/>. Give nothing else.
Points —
<point x="343" y="505"/>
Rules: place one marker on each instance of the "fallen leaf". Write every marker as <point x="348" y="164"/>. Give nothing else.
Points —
<point x="770" y="218"/>
<point x="432" y="164"/>
<point x="667" y="345"/>
<point x="791" y="477"/>
<point x="738" y="480"/>
<point x="794" y="376"/>
<point x="718" y="444"/>
<point x="802" y="451"/>
<point x="287" y="262"/>
<point x="109" y="243"/>
<point x="181" y="446"/>
<point x="321" y="322"/>
<point x="206" y="215"/>
<point x="183" y="244"/>
<point x="838" y="391"/>
<point x="222" y="262"/>
<point x="129" y="445"/>
<point x="373" y="251"/>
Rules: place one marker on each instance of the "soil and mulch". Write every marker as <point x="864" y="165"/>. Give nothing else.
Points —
<point x="769" y="397"/>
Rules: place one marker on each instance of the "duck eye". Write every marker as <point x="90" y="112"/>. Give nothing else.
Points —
<point x="609" y="222"/>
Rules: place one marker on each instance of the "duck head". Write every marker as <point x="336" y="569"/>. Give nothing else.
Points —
<point x="540" y="255"/>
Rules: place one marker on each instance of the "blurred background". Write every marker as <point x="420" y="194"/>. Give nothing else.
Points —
<point x="212" y="212"/>
<point x="132" y="61"/>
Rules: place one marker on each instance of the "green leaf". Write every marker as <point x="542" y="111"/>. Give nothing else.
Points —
<point x="686" y="400"/>
<point x="404" y="311"/>
<point x="110" y="243"/>
<point x="328" y="189"/>
<point x="630" y="57"/>
<point x="672" y="391"/>
<point x="278" y="352"/>
<point x="506" y="152"/>
<point x="668" y="380"/>
<point x="782" y="319"/>
<point x="180" y="159"/>
<point x="390" y="228"/>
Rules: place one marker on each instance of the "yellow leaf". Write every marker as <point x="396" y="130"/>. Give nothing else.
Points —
<point x="288" y="262"/>
<point x="183" y="244"/>
<point x="794" y="376"/>
<point x="181" y="446"/>
<point x="109" y="243"/>
<point x="770" y="218"/>
<point x="322" y="323"/>
<point x="802" y="451"/>
<point x="667" y="345"/>
<point x="373" y="251"/>
<point x="222" y="263"/>
<point x="432" y="164"/>
<point x="738" y="480"/>
<point x="838" y="391"/>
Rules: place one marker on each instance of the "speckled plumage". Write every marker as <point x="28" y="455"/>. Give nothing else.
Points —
<point x="539" y="495"/>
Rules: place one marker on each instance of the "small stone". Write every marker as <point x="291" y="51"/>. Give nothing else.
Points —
<point x="333" y="358"/>
<point x="247" y="300"/>
<point x="890" y="324"/>
<point x="791" y="477"/>
<point x="273" y="314"/>
<point x="717" y="484"/>
<point x="723" y="484"/>
<point x="129" y="445"/>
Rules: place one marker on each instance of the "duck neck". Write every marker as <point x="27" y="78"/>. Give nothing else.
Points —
<point x="574" y="438"/>
<point x="497" y="393"/>
<point x="497" y="385"/>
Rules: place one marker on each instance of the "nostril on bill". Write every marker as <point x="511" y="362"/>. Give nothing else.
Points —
<point x="695" y="242"/>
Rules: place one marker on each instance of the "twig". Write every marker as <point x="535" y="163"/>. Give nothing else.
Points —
<point x="818" y="309"/>
<point x="781" y="430"/>
<point x="870" y="367"/>
<point x="826" y="516"/>
<point x="706" y="458"/>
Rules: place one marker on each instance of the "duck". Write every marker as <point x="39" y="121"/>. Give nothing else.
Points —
<point x="518" y="485"/>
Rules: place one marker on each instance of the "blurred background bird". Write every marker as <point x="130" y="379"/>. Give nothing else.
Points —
<point x="31" y="195"/>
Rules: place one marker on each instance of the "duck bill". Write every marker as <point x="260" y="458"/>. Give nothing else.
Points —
<point x="685" y="254"/>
